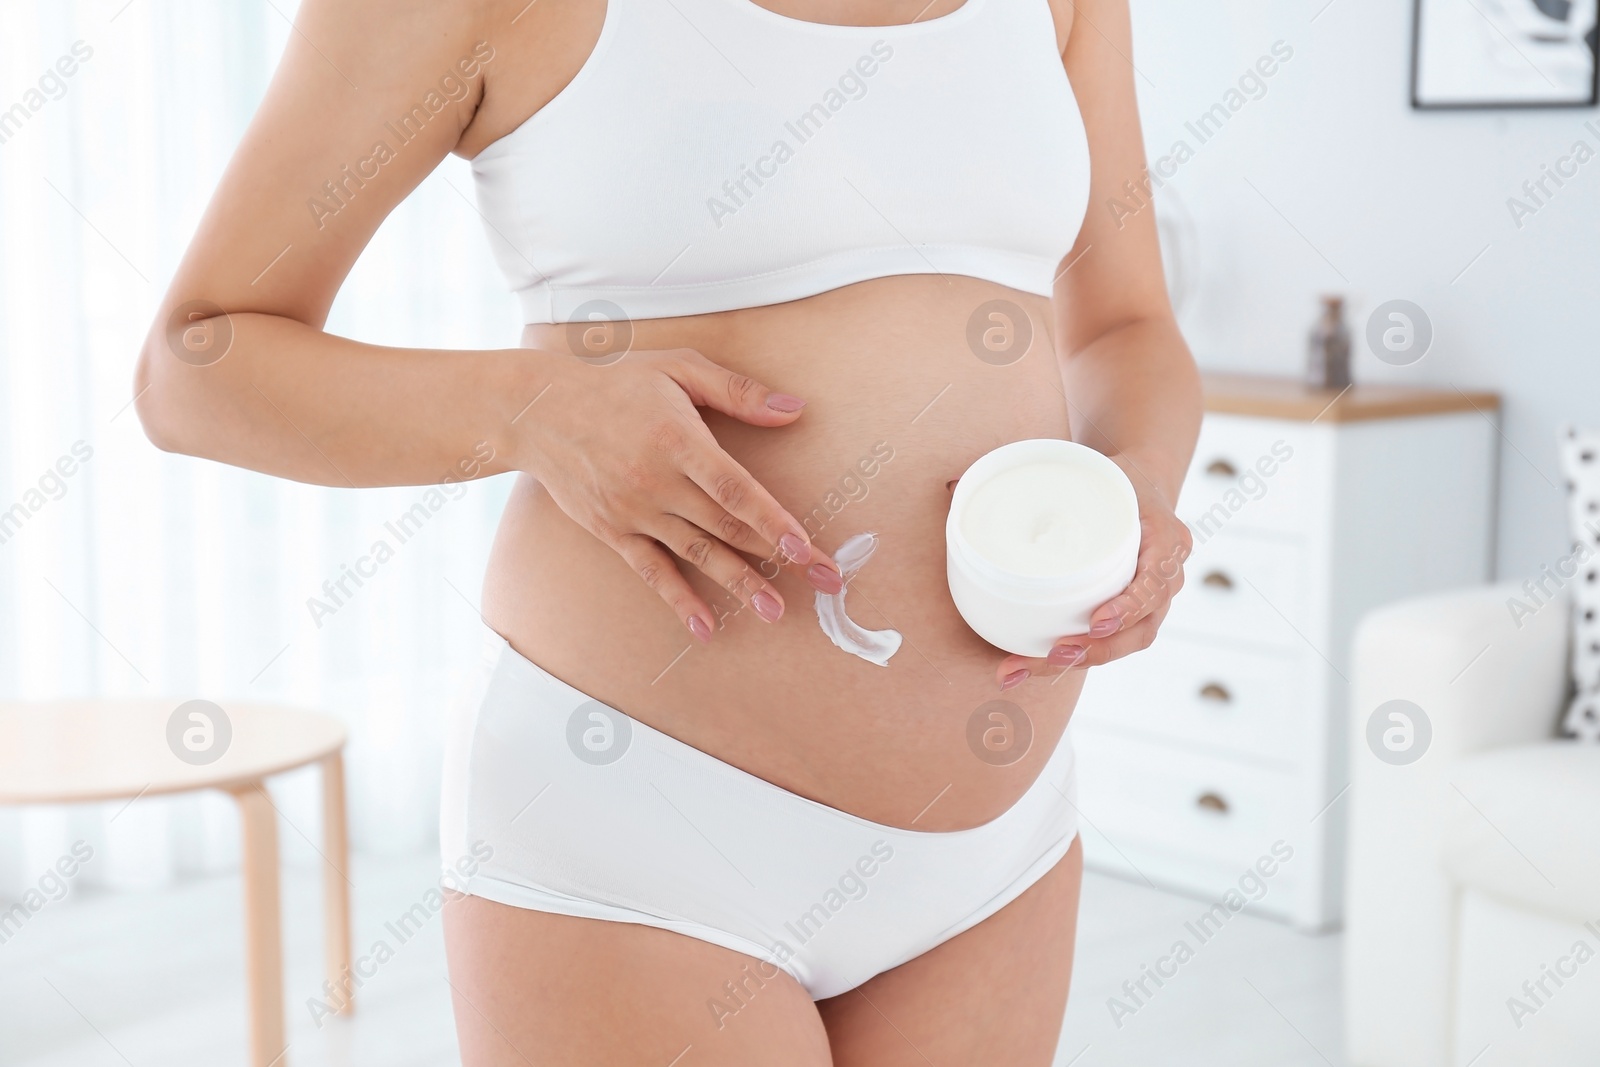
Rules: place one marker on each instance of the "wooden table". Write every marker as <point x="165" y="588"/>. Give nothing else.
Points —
<point x="55" y="752"/>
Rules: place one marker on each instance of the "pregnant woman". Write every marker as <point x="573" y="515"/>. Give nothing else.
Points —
<point x="788" y="267"/>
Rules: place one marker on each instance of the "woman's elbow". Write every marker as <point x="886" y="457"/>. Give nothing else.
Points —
<point x="153" y="399"/>
<point x="180" y="376"/>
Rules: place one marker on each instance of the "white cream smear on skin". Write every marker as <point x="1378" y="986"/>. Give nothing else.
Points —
<point x="874" y="646"/>
<point x="1044" y="519"/>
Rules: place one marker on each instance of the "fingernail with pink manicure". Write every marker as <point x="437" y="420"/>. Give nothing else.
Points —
<point x="784" y="402"/>
<point x="1105" y="627"/>
<point x="700" y="629"/>
<point x="795" y="548"/>
<point x="823" y="579"/>
<point x="767" y="606"/>
<point x="1015" y="678"/>
<point x="1065" y="655"/>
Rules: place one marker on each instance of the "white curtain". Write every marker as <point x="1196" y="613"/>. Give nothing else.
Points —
<point x="148" y="575"/>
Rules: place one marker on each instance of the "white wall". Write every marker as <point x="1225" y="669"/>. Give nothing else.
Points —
<point x="1397" y="201"/>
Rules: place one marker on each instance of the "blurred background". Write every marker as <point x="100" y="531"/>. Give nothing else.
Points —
<point x="1352" y="169"/>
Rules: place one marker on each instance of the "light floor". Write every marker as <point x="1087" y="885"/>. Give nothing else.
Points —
<point x="155" y="980"/>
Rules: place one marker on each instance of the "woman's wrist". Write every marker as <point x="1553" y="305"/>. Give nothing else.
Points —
<point x="1154" y="472"/>
<point x="517" y="391"/>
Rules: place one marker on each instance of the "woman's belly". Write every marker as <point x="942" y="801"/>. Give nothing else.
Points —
<point x="898" y="405"/>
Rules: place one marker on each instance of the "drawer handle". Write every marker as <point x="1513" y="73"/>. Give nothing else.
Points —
<point x="1213" y="691"/>
<point x="1217" y="580"/>
<point x="1212" y="802"/>
<point x="1221" y="468"/>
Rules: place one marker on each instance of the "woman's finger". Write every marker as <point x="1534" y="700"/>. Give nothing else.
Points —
<point x="655" y="566"/>
<point x="1135" y="638"/>
<point x="1156" y="580"/>
<point x="684" y="439"/>
<point x="737" y="395"/>
<point x="702" y="511"/>
<point x="1067" y="654"/>
<point x="1081" y="653"/>
<point x="736" y="491"/>
<point x="721" y="564"/>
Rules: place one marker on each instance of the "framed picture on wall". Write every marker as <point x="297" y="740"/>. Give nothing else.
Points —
<point x="1504" y="53"/>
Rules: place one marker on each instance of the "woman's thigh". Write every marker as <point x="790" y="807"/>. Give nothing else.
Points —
<point x="530" y="987"/>
<point x="994" y="994"/>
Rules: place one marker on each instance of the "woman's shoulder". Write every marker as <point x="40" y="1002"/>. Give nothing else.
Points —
<point x="536" y="47"/>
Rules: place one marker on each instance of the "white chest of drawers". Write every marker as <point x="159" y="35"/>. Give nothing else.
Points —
<point x="1226" y="737"/>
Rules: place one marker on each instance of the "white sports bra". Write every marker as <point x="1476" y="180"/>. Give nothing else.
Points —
<point x="712" y="155"/>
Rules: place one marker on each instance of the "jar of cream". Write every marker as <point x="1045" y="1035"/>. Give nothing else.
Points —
<point x="1040" y="533"/>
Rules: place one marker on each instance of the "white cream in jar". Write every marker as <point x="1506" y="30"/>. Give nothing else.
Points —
<point x="1040" y="533"/>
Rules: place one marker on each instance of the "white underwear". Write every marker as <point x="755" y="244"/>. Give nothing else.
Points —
<point x="566" y="805"/>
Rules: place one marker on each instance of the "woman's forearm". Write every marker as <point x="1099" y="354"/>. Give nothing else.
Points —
<point x="289" y="400"/>
<point x="1134" y="392"/>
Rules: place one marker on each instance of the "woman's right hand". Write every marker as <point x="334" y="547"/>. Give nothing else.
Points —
<point x="623" y="451"/>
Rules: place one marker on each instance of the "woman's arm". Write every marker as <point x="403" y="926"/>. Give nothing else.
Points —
<point x="369" y="97"/>
<point x="319" y="168"/>
<point x="1131" y="385"/>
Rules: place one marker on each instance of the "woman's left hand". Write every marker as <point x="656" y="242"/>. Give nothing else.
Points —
<point x="1127" y="622"/>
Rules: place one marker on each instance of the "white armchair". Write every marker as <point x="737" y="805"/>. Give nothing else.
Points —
<point x="1473" y="871"/>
